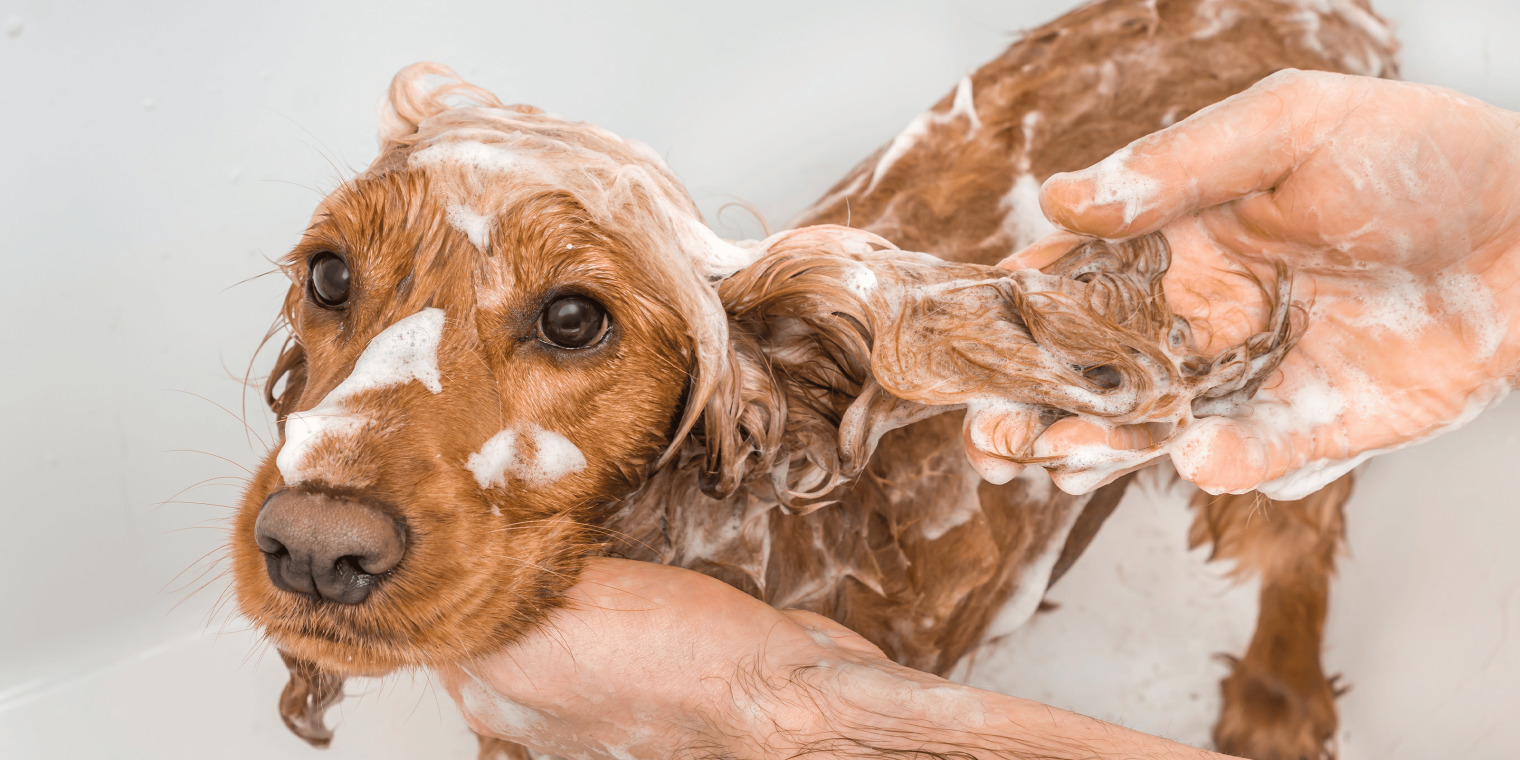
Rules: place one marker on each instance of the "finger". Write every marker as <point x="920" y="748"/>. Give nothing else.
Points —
<point x="1223" y="455"/>
<point x="1244" y="144"/>
<point x="996" y="434"/>
<point x="1086" y="457"/>
<point x="1043" y="252"/>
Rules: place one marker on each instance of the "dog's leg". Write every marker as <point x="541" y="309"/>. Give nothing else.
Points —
<point x="1278" y="704"/>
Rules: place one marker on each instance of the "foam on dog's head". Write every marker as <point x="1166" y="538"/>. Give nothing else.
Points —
<point x="482" y="155"/>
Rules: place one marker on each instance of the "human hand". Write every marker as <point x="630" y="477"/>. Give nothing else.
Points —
<point x="1396" y="208"/>
<point x="650" y="661"/>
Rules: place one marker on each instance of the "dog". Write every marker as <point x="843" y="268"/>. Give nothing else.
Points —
<point x="515" y="345"/>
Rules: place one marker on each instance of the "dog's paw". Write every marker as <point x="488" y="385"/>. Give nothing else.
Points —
<point x="1267" y="716"/>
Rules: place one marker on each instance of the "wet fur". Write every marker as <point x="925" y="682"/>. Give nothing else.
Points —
<point x="911" y="549"/>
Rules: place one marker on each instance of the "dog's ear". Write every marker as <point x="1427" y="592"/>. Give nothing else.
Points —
<point x="419" y="92"/>
<point x="799" y="402"/>
<point x="306" y="698"/>
<point x="837" y="338"/>
<point x="291" y="366"/>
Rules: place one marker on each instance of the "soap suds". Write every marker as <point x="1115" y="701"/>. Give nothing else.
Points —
<point x="861" y="281"/>
<point x="1023" y="204"/>
<point x="495" y="459"/>
<point x="476" y="227"/>
<point x="553" y="457"/>
<point x="1482" y="321"/>
<point x="1319" y="473"/>
<point x="963" y="105"/>
<point x="405" y="351"/>
<point x="1114" y="182"/>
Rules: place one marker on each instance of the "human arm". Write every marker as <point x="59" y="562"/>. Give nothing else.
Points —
<point x="1396" y="209"/>
<point x="649" y="661"/>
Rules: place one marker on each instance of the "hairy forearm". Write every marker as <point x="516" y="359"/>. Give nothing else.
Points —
<point x="850" y="709"/>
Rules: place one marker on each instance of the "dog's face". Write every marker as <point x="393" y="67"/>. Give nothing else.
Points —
<point x="482" y="361"/>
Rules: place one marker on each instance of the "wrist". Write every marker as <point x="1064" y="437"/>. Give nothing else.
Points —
<point x="856" y="708"/>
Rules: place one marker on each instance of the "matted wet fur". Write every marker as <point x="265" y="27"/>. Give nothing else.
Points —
<point x="776" y="489"/>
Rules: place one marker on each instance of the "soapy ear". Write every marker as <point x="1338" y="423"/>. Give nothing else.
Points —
<point x="799" y="360"/>
<point x="423" y="90"/>
<point x="306" y="698"/>
<point x="837" y="338"/>
<point x="291" y="366"/>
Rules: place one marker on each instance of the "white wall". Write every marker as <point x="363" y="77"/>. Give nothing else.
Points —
<point x="157" y="155"/>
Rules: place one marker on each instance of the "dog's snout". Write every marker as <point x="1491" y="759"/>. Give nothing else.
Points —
<point x="326" y="546"/>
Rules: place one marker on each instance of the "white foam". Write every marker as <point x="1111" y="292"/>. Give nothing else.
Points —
<point x="557" y="457"/>
<point x="476" y="227"/>
<point x="861" y="280"/>
<point x="496" y="457"/>
<point x="963" y="105"/>
<point x="1319" y="473"/>
<point x="1398" y="305"/>
<point x="1024" y="215"/>
<point x="1482" y="321"/>
<point x="553" y="457"/>
<point x="403" y="352"/>
<point x="470" y="154"/>
<point x="1114" y="182"/>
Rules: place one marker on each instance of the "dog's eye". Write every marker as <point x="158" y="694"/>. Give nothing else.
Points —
<point x="572" y="322"/>
<point x="329" y="279"/>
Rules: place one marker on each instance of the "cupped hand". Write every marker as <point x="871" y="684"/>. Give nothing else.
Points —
<point x="650" y="661"/>
<point x="1396" y="209"/>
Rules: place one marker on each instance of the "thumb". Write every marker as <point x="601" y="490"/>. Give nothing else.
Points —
<point x="1246" y="143"/>
<point x="1225" y="455"/>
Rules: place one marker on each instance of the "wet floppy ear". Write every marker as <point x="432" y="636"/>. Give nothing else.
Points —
<point x="799" y="368"/>
<point x="423" y="90"/>
<point x="306" y="698"/>
<point x="291" y="366"/>
<point x="837" y="338"/>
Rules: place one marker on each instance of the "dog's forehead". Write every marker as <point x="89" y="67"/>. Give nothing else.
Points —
<point x="483" y="160"/>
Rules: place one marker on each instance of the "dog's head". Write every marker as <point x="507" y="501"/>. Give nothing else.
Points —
<point x="494" y="332"/>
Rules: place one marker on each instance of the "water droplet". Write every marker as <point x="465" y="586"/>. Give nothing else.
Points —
<point x="14" y="27"/>
<point x="235" y="175"/>
<point x="149" y="104"/>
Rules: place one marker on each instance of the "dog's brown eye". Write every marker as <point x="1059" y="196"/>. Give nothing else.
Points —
<point x="572" y="322"/>
<point x="329" y="279"/>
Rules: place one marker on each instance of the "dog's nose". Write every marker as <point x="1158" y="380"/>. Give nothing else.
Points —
<point x="326" y="546"/>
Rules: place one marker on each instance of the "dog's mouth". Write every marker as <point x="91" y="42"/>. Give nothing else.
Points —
<point x="355" y="587"/>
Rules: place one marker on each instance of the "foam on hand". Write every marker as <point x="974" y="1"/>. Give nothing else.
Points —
<point x="1115" y="182"/>
<point x="403" y="352"/>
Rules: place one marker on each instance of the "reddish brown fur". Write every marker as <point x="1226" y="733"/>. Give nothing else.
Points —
<point x="470" y="580"/>
<point x="1100" y="77"/>
<point x="1278" y="704"/>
